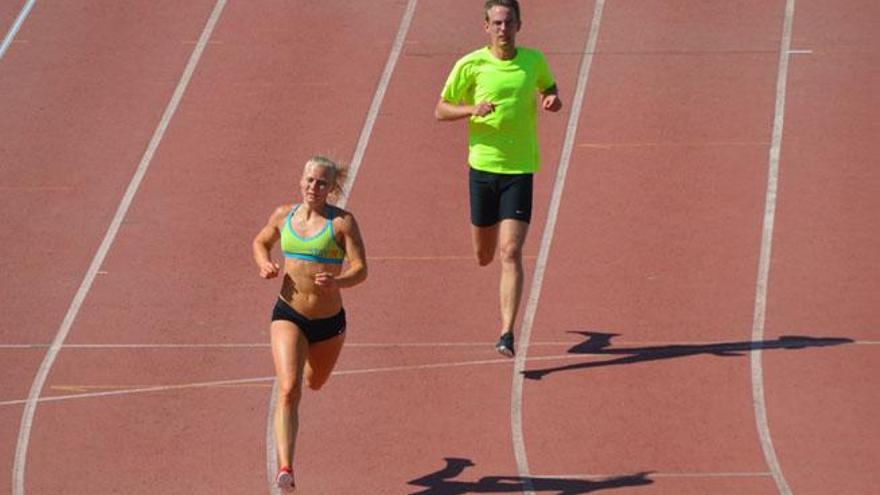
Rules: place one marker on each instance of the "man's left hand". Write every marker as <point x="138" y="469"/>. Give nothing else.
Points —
<point x="551" y="102"/>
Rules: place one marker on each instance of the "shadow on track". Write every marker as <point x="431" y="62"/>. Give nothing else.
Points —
<point x="442" y="483"/>
<point x="599" y="344"/>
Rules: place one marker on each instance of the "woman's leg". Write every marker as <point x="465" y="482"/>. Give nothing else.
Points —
<point x="290" y="351"/>
<point x="322" y="360"/>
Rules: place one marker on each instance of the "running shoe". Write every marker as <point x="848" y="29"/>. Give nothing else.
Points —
<point x="284" y="480"/>
<point x="505" y="345"/>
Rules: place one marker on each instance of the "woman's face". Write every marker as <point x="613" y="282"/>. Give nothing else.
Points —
<point x="316" y="183"/>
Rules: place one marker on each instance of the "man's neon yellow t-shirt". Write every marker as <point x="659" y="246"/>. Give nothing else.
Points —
<point x="504" y="141"/>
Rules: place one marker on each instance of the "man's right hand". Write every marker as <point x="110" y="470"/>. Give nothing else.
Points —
<point x="483" y="108"/>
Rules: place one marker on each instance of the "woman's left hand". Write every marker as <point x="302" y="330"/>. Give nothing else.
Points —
<point x="325" y="280"/>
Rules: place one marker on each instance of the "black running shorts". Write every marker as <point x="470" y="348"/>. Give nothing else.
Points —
<point x="315" y="330"/>
<point x="495" y="197"/>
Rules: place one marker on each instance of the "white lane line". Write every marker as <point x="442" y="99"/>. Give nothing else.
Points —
<point x="128" y="389"/>
<point x="36" y="188"/>
<point x="516" y="399"/>
<point x="618" y="346"/>
<point x="245" y="381"/>
<point x="271" y="449"/>
<point x="7" y="40"/>
<point x="712" y="475"/>
<point x="669" y="144"/>
<point x="602" y="477"/>
<point x="757" y="372"/>
<point x="140" y="390"/>
<point x="378" y="97"/>
<point x="354" y="167"/>
<point x="40" y="379"/>
<point x="138" y="346"/>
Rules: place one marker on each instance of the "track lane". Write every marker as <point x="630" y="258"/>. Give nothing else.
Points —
<point x="53" y="181"/>
<point x="411" y="201"/>
<point x="254" y="111"/>
<point x="71" y="155"/>
<point x="665" y="212"/>
<point x="825" y="268"/>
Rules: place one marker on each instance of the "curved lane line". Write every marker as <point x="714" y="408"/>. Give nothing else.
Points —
<point x="378" y="345"/>
<point x="758" y="401"/>
<point x="357" y="158"/>
<point x="30" y="408"/>
<point x="268" y="380"/>
<point x="516" y="399"/>
<point x="7" y="40"/>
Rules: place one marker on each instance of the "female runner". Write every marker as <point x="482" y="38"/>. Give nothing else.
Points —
<point x="308" y="321"/>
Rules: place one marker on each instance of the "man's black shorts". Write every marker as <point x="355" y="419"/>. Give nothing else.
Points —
<point x="495" y="197"/>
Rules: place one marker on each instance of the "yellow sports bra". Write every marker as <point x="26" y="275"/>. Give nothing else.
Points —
<point x="319" y="248"/>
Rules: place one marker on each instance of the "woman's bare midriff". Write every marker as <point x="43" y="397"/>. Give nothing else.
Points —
<point x="299" y="290"/>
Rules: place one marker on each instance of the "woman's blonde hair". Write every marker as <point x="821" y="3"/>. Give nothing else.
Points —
<point x="339" y="172"/>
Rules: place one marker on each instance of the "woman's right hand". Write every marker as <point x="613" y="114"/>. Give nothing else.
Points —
<point x="269" y="269"/>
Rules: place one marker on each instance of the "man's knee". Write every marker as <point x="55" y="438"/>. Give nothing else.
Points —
<point x="513" y="237"/>
<point x="511" y="252"/>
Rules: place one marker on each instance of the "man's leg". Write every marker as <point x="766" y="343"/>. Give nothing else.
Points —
<point x="485" y="243"/>
<point x="512" y="234"/>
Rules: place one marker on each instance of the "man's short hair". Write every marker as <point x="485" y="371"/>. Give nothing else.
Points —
<point x="511" y="4"/>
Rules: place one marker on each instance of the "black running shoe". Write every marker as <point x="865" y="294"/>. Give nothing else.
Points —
<point x="505" y="345"/>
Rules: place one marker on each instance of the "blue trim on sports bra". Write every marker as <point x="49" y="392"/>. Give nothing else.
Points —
<point x="313" y="258"/>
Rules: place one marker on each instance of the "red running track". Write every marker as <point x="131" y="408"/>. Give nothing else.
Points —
<point x="639" y="377"/>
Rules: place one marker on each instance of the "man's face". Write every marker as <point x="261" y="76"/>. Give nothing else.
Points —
<point x="502" y="26"/>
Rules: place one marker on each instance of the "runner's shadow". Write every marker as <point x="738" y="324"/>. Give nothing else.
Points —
<point x="442" y="482"/>
<point x="599" y="344"/>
